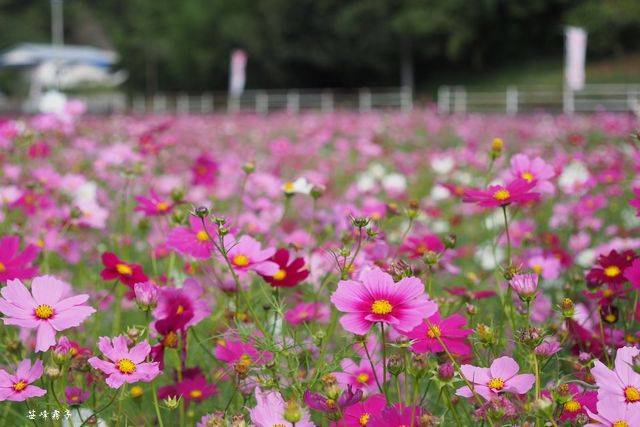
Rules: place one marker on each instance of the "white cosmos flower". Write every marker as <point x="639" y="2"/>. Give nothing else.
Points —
<point x="299" y="186"/>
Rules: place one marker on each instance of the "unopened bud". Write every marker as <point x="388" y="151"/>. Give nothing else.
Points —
<point x="446" y="371"/>
<point x="201" y="212"/>
<point x="292" y="412"/>
<point x="567" y="307"/>
<point x="450" y="241"/>
<point x="249" y="167"/>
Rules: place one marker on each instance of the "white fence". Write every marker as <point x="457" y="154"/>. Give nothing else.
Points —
<point x="513" y="100"/>
<point x="258" y="101"/>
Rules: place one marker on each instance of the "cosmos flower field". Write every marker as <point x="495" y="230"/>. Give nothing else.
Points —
<point x="344" y="269"/>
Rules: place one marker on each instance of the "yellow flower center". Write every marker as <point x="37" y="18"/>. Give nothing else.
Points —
<point x="612" y="271"/>
<point x="607" y="293"/>
<point x="501" y="195"/>
<point x="2" y="268"/>
<point x="75" y="398"/>
<point x="620" y="424"/>
<point x="171" y="339"/>
<point x="136" y="391"/>
<point x="611" y="318"/>
<point x="288" y="187"/>
<point x="434" y="332"/>
<point x="527" y="176"/>
<point x="180" y="309"/>
<point x="162" y="206"/>
<point x="364" y="419"/>
<point x="496" y="144"/>
<point x="40" y="243"/>
<point x="632" y="394"/>
<point x="124" y="269"/>
<point x="363" y="378"/>
<point x="241" y="260"/>
<point x="126" y="366"/>
<point x="537" y="268"/>
<point x="44" y="311"/>
<point x="202" y="236"/>
<point x="196" y="393"/>
<point x="572" y="406"/>
<point x="279" y="425"/>
<point x="330" y="403"/>
<point x="19" y="386"/>
<point x="381" y="306"/>
<point x="280" y="274"/>
<point x="496" y="383"/>
<point x="421" y="249"/>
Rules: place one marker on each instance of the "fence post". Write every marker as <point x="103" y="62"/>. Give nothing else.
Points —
<point x="512" y="101"/>
<point x="444" y="100"/>
<point x="293" y="102"/>
<point x="406" y="99"/>
<point x="262" y="102"/>
<point x="326" y="102"/>
<point x="460" y="100"/>
<point x="364" y="100"/>
<point x="206" y="103"/>
<point x="182" y="104"/>
<point x="568" y="100"/>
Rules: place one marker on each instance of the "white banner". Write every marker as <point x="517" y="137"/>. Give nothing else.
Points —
<point x="237" y="74"/>
<point x="576" y="48"/>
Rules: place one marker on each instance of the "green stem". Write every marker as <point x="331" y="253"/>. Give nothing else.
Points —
<point x="156" y="405"/>
<point x="506" y="230"/>
<point x="384" y="364"/>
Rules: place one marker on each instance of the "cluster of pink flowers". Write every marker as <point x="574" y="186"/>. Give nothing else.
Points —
<point x="301" y="270"/>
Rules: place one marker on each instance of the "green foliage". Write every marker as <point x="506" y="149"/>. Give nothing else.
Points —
<point x="170" y="46"/>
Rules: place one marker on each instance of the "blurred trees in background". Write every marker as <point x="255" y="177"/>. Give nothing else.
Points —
<point x="185" y="45"/>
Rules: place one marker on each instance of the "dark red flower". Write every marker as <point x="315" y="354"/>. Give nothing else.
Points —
<point x="289" y="274"/>
<point x="610" y="269"/>
<point x="115" y="268"/>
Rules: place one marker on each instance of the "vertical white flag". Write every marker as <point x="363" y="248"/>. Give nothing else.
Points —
<point x="237" y="74"/>
<point x="576" y="47"/>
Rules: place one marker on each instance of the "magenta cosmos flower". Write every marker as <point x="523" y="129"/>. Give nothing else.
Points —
<point x="613" y="413"/>
<point x="533" y="170"/>
<point x="124" y="365"/>
<point x="153" y="205"/>
<point x="501" y="377"/>
<point x="43" y="309"/>
<point x="18" y="387"/>
<point x="450" y="331"/>
<point x="193" y="240"/>
<point x="622" y="383"/>
<point x="182" y="307"/>
<point x="360" y="414"/>
<point x="359" y="376"/>
<point x="517" y="191"/>
<point x="377" y="298"/>
<point x="15" y="264"/>
<point x="246" y="254"/>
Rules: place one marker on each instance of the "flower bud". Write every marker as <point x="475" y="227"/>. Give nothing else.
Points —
<point x="525" y="286"/>
<point x="171" y="402"/>
<point x="485" y="333"/>
<point x="471" y="309"/>
<point x="317" y="191"/>
<point x="292" y="412"/>
<point x="147" y="294"/>
<point x="237" y="421"/>
<point x="360" y="222"/>
<point x="62" y="352"/>
<point x="177" y="194"/>
<point x="394" y="364"/>
<point x="567" y="307"/>
<point x="249" y="167"/>
<point x="52" y="372"/>
<point x="134" y="333"/>
<point x="136" y="391"/>
<point x="496" y="148"/>
<point x="446" y="371"/>
<point x="431" y="258"/>
<point x="201" y="212"/>
<point x="450" y="241"/>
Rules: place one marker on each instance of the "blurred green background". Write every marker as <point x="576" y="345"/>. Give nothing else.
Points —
<point x="169" y="45"/>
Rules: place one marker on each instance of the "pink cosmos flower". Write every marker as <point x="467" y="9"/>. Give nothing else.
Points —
<point x="546" y="266"/>
<point x="18" y="387"/>
<point x="376" y="298"/>
<point x="533" y="170"/>
<point x="269" y="411"/>
<point x="517" y="191"/>
<point x="636" y="202"/>
<point x="548" y="348"/>
<point x="124" y="365"/>
<point x="449" y="330"/>
<point x="204" y="171"/>
<point x="361" y="413"/>
<point x="154" y="205"/>
<point x="247" y="254"/>
<point x="45" y="310"/>
<point x="613" y="413"/>
<point x="232" y="351"/>
<point x="525" y="285"/>
<point x="193" y="240"/>
<point x="184" y="307"/>
<point x="622" y="383"/>
<point x="15" y="265"/>
<point x="417" y="246"/>
<point x="501" y="377"/>
<point x="397" y="415"/>
<point x="359" y="376"/>
<point x="307" y="312"/>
